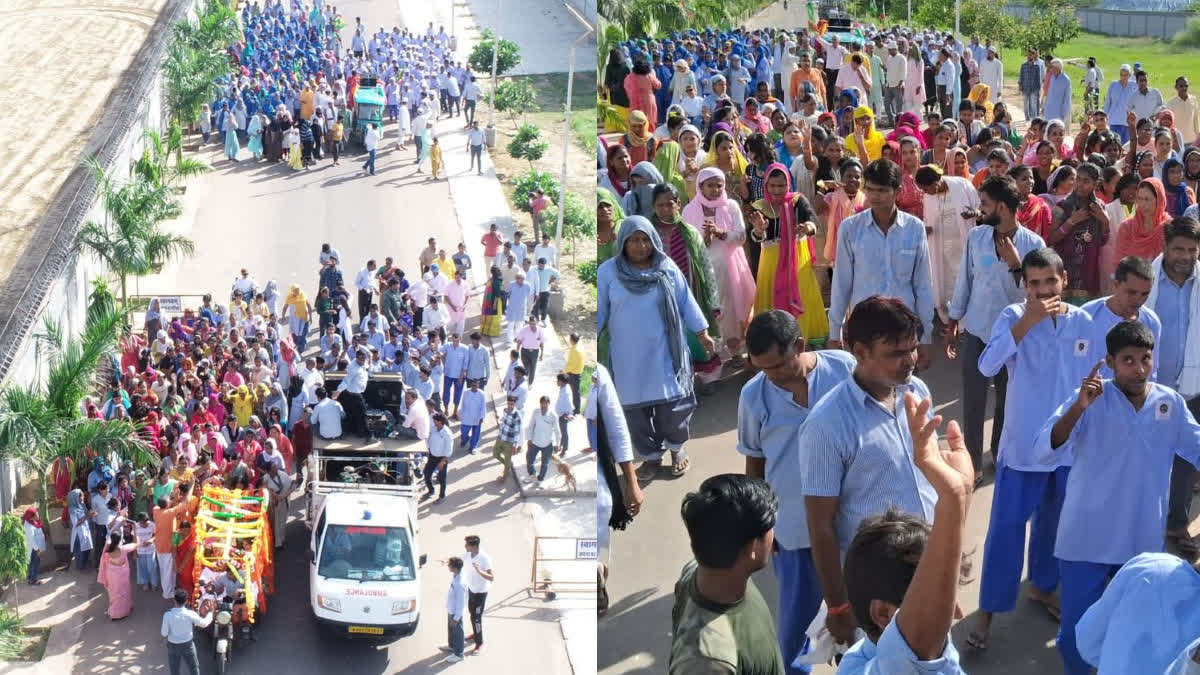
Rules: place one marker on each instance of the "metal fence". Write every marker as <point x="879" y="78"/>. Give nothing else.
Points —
<point x="1136" y="23"/>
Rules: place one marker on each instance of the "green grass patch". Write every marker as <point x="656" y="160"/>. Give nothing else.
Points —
<point x="1162" y="60"/>
<point x="552" y="90"/>
<point x="585" y="381"/>
<point x="583" y="123"/>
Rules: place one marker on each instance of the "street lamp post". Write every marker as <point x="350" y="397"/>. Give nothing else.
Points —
<point x="490" y="133"/>
<point x="566" y="139"/>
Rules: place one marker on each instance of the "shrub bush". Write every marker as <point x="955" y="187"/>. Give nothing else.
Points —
<point x="586" y="271"/>
<point x="507" y="57"/>
<point x="528" y="144"/>
<point x="527" y="182"/>
<point x="578" y="219"/>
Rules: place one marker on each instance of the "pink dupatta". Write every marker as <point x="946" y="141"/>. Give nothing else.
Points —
<point x="786" y="294"/>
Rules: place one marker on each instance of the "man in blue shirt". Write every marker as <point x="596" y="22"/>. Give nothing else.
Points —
<point x="1124" y="434"/>
<point x="906" y="612"/>
<point x="1044" y="344"/>
<point x="882" y="251"/>
<point x="456" y="606"/>
<point x="1132" y="283"/>
<point x="856" y="452"/>
<point x="479" y="361"/>
<point x="454" y="360"/>
<point x="772" y="409"/>
<point x="1117" y="102"/>
<point x="987" y="283"/>
<point x="1175" y="298"/>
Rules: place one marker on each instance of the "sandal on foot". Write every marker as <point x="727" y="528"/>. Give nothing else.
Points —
<point x="680" y="467"/>
<point x="976" y="641"/>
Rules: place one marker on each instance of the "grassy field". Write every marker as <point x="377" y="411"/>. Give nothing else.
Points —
<point x="1161" y="60"/>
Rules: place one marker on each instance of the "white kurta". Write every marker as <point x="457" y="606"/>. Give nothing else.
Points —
<point x="947" y="231"/>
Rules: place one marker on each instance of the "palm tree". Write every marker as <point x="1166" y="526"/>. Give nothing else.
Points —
<point x="129" y="241"/>
<point x="196" y="57"/>
<point x="154" y="164"/>
<point x="42" y="421"/>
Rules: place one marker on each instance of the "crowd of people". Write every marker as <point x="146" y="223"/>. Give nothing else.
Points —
<point x="771" y="191"/>
<point x="291" y="94"/>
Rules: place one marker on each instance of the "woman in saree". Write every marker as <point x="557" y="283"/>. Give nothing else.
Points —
<point x="114" y="576"/>
<point x="255" y="131"/>
<point x="783" y="225"/>
<point x="685" y="246"/>
<point x="724" y="231"/>
<point x="910" y="199"/>
<point x="914" y="84"/>
<point x="1141" y="234"/>
<point x="493" y="304"/>
<point x="645" y="303"/>
<point x="185" y="556"/>
<point x="229" y="129"/>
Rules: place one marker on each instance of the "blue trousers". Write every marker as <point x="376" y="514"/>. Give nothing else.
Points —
<point x="470" y="436"/>
<point x="1082" y="585"/>
<point x="1017" y="497"/>
<point x="452" y="384"/>
<point x="799" y="600"/>
<point x="369" y="165"/>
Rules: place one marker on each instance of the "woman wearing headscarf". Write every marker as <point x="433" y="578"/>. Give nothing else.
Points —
<point x="649" y="359"/>
<point x="914" y="84"/>
<point x="951" y="206"/>
<point x="910" y="199"/>
<point x="81" y="530"/>
<point x="618" y="167"/>
<point x="1191" y="169"/>
<point x="296" y="309"/>
<point x="35" y="544"/>
<point x="666" y="160"/>
<point x="273" y="139"/>
<point x="640" y="86"/>
<point x="608" y="215"/>
<point x="1142" y="233"/>
<point x="908" y="124"/>
<point x="783" y="224"/>
<point x="639" y="140"/>
<point x="204" y="123"/>
<point x="1179" y="195"/>
<point x="638" y="200"/>
<point x="866" y="142"/>
<point x="724" y="232"/>
<point x="615" y="72"/>
<point x="751" y="118"/>
<point x="230" y="128"/>
<point x="293" y="144"/>
<point x="153" y="317"/>
<point x="981" y="94"/>
<point x="255" y="132"/>
<point x="306" y="142"/>
<point x="956" y="163"/>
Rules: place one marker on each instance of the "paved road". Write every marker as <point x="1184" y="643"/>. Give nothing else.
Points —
<point x="646" y="558"/>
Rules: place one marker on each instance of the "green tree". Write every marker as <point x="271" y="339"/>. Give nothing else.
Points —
<point x="196" y="57"/>
<point x="1049" y="27"/>
<point x="528" y="144"/>
<point x="508" y="55"/>
<point x="988" y="20"/>
<point x="130" y="241"/>
<point x="517" y="97"/>
<point x="155" y="163"/>
<point x="41" y="422"/>
<point x="13" y="561"/>
<point x="578" y="220"/>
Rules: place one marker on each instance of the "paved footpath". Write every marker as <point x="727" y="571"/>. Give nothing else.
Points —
<point x="272" y="221"/>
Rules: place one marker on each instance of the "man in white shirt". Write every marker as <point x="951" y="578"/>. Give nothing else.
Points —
<point x="1146" y="101"/>
<point x="365" y="283"/>
<point x="693" y="105"/>
<point x="475" y="145"/>
<point x="470" y="96"/>
<point x="478" y="568"/>
<point x="350" y="393"/>
<point x="546" y="250"/>
<point x="371" y="140"/>
<point x="895" y="72"/>
<point x="327" y="416"/>
<point x="177" y="625"/>
<point x="245" y="285"/>
<point x="435" y="317"/>
<point x="542" y="435"/>
<point x="991" y="73"/>
<point x="440" y="444"/>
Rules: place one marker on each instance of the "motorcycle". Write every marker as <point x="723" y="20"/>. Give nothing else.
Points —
<point x="223" y="634"/>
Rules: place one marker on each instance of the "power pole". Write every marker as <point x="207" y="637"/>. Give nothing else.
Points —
<point x="490" y="135"/>
<point x="588" y="30"/>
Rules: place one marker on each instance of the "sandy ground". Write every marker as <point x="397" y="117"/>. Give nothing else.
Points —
<point x="65" y="56"/>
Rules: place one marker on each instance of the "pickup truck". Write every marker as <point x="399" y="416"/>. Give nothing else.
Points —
<point x="364" y="556"/>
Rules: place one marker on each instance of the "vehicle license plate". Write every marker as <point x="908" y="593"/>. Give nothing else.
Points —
<point x="370" y="630"/>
